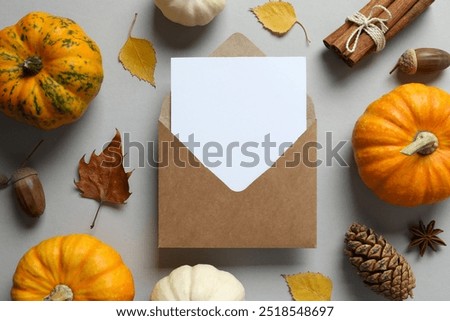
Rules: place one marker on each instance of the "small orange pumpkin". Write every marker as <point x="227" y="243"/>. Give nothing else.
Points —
<point x="74" y="267"/>
<point x="402" y="145"/>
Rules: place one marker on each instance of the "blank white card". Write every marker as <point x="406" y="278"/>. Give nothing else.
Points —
<point x="238" y="115"/>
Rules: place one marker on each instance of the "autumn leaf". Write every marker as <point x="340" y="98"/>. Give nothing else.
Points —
<point x="278" y="17"/>
<point x="104" y="178"/>
<point x="309" y="286"/>
<point x="139" y="57"/>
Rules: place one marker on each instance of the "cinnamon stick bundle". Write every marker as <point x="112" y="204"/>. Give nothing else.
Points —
<point x="403" y="12"/>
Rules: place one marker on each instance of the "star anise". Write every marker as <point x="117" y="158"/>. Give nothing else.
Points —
<point x="424" y="237"/>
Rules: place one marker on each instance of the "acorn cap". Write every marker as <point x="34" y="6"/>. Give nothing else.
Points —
<point x="22" y="173"/>
<point x="407" y="62"/>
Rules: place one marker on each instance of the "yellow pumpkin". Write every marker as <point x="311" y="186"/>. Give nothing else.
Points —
<point x="73" y="267"/>
<point x="402" y="145"/>
<point x="50" y="70"/>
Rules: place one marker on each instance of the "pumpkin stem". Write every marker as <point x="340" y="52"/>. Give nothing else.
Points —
<point x="425" y="143"/>
<point x="32" y="66"/>
<point x="61" y="292"/>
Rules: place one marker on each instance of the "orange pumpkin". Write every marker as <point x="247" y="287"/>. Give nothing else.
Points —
<point x="50" y="70"/>
<point x="402" y="145"/>
<point x="74" y="267"/>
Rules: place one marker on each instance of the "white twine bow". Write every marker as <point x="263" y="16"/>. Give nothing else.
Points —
<point x="368" y="24"/>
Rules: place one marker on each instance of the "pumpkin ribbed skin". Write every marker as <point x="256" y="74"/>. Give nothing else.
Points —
<point x="390" y="124"/>
<point x="201" y="282"/>
<point x="58" y="91"/>
<point x="90" y="268"/>
<point x="191" y="13"/>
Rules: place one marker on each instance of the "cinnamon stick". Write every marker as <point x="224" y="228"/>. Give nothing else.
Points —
<point x="348" y="27"/>
<point x="398" y="10"/>
<point x="412" y="14"/>
<point x="403" y="13"/>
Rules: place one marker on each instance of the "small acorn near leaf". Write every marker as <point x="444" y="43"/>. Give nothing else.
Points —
<point x="413" y="61"/>
<point x="27" y="187"/>
<point x="29" y="191"/>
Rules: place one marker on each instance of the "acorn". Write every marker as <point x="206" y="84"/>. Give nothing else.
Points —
<point x="422" y="60"/>
<point x="29" y="191"/>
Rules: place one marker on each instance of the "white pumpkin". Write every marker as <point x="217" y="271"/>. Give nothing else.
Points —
<point x="201" y="282"/>
<point x="190" y="12"/>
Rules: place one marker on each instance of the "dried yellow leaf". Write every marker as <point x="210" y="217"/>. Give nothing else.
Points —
<point x="278" y="17"/>
<point x="139" y="57"/>
<point x="309" y="286"/>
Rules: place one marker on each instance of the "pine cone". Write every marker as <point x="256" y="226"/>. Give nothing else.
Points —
<point x="381" y="267"/>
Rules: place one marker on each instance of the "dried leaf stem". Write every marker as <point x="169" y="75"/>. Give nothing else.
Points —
<point x="304" y="30"/>
<point x="132" y="25"/>
<point x="31" y="153"/>
<point x="96" y="215"/>
<point x="6" y="183"/>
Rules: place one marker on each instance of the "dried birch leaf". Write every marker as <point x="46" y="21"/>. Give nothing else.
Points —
<point x="138" y="56"/>
<point x="309" y="286"/>
<point x="104" y="178"/>
<point x="278" y="17"/>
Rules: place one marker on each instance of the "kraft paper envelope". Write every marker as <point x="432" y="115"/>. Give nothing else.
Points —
<point x="197" y="210"/>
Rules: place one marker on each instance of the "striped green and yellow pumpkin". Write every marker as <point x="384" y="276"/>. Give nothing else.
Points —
<point x="50" y="70"/>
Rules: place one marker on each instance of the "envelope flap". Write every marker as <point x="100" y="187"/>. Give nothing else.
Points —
<point x="237" y="45"/>
<point x="164" y="117"/>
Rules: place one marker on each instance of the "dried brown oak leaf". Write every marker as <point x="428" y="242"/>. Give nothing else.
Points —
<point x="309" y="286"/>
<point x="104" y="178"/>
<point x="138" y="56"/>
<point x="278" y="17"/>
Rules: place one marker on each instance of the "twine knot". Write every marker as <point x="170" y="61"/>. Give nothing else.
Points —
<point x="368" y="25"/>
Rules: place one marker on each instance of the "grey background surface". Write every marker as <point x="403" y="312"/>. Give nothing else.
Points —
<point x="340" y="94"/>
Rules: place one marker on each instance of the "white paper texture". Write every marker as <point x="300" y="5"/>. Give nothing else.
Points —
<point x="238" y="115"/>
